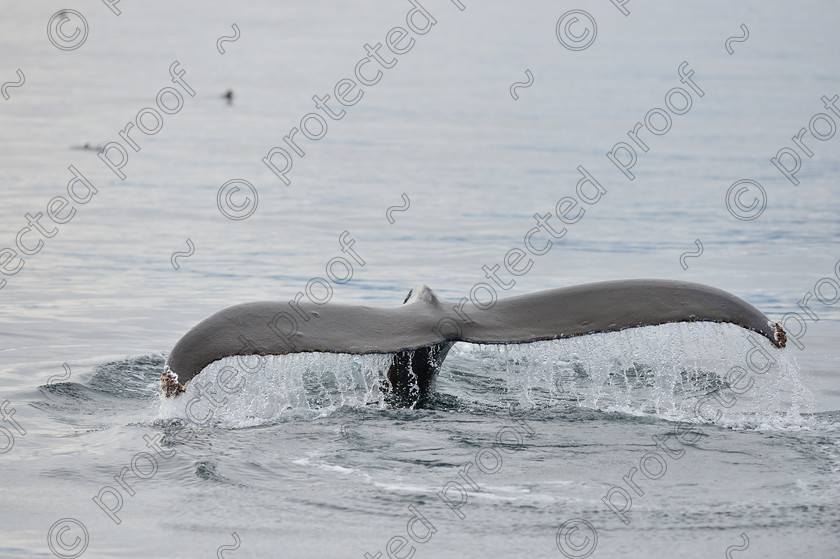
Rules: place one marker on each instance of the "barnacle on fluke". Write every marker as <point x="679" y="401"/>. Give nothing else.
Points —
<point x="779" y="334"/>
<point x="169" y="383"/>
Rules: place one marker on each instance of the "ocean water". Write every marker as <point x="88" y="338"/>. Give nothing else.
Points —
<point x="631" y="444"/>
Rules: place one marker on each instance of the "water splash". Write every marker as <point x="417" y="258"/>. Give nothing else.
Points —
<point x="233" y="393"/>
<point x="698" y="372"/>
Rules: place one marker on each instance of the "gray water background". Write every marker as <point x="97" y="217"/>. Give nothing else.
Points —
<point x="442" y="128"/>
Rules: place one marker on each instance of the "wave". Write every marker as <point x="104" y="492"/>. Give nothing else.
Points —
<point x="111" y="388"/>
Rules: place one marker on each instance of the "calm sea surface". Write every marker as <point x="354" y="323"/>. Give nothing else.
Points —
<point x="489" y="115"/>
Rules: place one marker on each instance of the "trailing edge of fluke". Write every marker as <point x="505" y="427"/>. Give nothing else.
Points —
<point x="420" y="332"/>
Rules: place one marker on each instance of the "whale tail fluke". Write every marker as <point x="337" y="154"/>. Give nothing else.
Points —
<point x="421" y="332"/>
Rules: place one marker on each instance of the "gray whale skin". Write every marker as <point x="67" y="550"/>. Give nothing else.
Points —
<point x="421" y="331"/>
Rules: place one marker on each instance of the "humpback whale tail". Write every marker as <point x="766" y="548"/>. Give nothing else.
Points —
<point x="412" y="372"/>
<point x="421" y="331"/>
